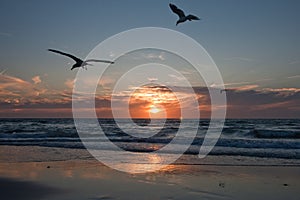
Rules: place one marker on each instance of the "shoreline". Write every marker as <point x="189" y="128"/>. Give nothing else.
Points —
<point x="78" y="178"/>
<point x="16" y="153"/>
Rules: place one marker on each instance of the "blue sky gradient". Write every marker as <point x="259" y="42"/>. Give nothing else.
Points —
<point x="252" y="42"/>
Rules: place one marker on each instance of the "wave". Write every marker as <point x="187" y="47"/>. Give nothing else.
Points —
<point x="146" y="147"/>
<point x="257" y="138"/>
<point x="276" y="134"/>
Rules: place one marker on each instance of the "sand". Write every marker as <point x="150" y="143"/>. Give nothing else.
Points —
<point x="45" y="173"/>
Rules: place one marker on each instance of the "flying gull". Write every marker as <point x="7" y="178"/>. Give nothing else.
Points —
<point x="181" y="15"/>
<point x="79" y="62"/>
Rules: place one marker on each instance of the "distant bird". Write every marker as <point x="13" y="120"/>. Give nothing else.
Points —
<point x="226" y="90"/>
<point x="79" y="62"/>
<point x="181" y="15"/>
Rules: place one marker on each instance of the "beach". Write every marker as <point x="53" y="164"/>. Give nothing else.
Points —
<point x="155" y="100"/>
<point x="30" y="172"/>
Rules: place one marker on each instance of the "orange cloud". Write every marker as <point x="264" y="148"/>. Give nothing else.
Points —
<point x="21" y="98"/>
<point x="244" y="87"/>
<point x="282" y="91"/>
<point x="17" y="92"/>
<point x="142" y="101"/>
<point x="272" y="105"/>
<point x="36" y="79"/>
<point x="69" y="83"/>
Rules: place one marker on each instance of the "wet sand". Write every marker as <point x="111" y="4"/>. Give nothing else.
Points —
<point x="42" y="173"/>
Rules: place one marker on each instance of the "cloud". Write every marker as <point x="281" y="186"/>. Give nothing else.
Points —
<point x="282" y="91"/>
<point x="245" y="87"/>
<point x="12" y="84"/>
<point x="247" y="101"/>
<point x="179" y="78"/>
<point x="240" y="88"/>
<point x="3" y="72"/>
<point x="294" y="62"/>
<point x="296" y="76"/>
<point x="244" y="59"/>
<point x="21" y="98"/>
<point x="237" y="83"/>
<point x="5" y="34"/>
<point x="264" y="103"/>
<point x="16" y="91"/>
<point x="150" y="56"/>
<point x="268" y="106"/>
<point x="152" y="79"/>
<point x="36" y="79"/>
<point x="293" y="90"/>
<point x="106" y="81"/>
<point x="69" y="83"/>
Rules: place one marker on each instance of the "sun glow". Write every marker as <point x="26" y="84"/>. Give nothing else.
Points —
<point x="154" y="109"/>
<point x="154" y="102"/>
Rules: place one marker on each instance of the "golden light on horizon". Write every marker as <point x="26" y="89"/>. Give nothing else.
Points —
<point x="154" y="101"/>
<point x="154" y="109"/>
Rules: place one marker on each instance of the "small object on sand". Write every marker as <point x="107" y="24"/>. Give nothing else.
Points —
<point x="222" y="184"/>
<point x="285" y="184"/>
<point x="48" y="166"/>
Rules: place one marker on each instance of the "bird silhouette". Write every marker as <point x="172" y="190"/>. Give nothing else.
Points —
<point x="181" y="15"/>
<point x="226" y="90"/>
<point x="79" y="62"/>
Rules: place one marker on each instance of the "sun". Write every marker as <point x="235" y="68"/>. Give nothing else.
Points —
<point x="154" y="109"/>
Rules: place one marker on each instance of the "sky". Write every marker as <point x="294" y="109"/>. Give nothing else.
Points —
<point x="255" y="45"/>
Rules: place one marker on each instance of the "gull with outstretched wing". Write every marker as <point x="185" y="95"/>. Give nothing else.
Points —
<point x="181" y="15"/>
<point x="79" y="62"/>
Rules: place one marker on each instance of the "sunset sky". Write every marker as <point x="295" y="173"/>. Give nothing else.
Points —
<point x="255" y="45"/>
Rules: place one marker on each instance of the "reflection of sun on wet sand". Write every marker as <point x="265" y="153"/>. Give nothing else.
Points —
<point x="76" y="175"/>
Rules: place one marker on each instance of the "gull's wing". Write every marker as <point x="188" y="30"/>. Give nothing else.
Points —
<point x="192" y="17"/>
<point x="104" y="61"/>
<point x="66" y="54"/>
<point x="176" y="10"/>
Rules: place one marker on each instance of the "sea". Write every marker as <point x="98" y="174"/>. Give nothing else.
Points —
<point x="241" y="138"/>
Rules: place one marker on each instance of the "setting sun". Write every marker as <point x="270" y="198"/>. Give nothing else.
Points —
<point x="154" y="101"/>
<point x="154" y="109"/>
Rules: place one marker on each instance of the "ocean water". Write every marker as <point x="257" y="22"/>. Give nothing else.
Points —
<point x="264" y="138"/>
